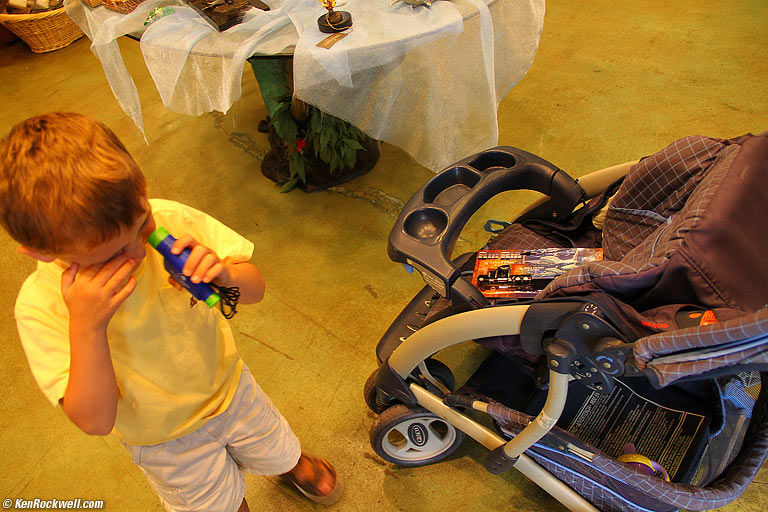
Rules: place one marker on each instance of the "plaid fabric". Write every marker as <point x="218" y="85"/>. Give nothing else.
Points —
<point x="753" y="326"/>
<point x="646" y="223"/>
<point x="655" y="189"/>
<point x="608" y="492"/>
<point x="608" y="276"/>
<point x="669" y="236"/>
<point x="668" y="230"/>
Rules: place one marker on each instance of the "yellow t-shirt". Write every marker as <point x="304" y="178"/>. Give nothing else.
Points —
<point x="176" y="364"/>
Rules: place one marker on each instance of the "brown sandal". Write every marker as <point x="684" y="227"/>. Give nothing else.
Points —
<point x="320" y="467"/>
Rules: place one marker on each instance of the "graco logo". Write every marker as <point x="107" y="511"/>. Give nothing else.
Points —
<point x="418" y="434"/>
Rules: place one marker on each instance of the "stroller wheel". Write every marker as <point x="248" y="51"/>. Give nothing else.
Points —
<point x="413" y="436"/>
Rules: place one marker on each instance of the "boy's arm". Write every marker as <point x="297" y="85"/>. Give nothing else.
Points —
<point x="90" y="399"/>
<point x="246" y="277"/>
<point x="92" y="297"/>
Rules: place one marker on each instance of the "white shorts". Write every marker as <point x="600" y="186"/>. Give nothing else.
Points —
<point x="202" y="471"/>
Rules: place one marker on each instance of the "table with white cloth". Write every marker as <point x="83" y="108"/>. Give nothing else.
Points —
<point x="425" y="79"/>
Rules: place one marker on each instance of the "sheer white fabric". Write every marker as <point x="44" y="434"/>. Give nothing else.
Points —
<point x="427" y="80"/>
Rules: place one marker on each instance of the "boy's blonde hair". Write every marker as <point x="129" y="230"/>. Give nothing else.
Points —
<point x="67" y="181"/>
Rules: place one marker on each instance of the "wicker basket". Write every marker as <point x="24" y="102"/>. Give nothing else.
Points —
<point x="121" y="6"/>
<point x="43" y="31"/>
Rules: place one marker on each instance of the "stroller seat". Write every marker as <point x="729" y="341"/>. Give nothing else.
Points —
<point x="677" y="313"/>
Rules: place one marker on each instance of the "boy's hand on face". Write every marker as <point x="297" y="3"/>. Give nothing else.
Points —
<point x="203" y="265"/>
<point x="94" y="293"/>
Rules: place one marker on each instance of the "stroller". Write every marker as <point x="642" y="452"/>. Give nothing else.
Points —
<point x="630" y="383"/>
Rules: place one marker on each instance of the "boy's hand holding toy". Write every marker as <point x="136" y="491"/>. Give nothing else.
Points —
<point x="198" y="269"/>
<point x="202" y="264"/>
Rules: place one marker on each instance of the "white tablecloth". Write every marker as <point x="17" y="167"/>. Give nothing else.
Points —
<point x="428" y="80"/>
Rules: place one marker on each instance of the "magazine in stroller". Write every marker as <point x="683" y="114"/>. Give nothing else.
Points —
<point x="633" y="380"/>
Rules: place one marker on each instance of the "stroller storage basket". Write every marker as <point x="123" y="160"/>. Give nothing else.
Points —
<point x="692" y="446"/>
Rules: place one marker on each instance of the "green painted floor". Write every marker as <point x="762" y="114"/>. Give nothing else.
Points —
<point x="612" y="81"/>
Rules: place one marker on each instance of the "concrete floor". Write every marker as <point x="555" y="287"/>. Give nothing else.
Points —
<point x="612" y="81"/>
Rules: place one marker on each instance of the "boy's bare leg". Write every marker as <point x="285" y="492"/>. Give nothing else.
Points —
<point x="244" y="507"/>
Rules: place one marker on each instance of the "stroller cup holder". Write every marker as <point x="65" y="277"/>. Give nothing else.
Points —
<point x="426" y="231"/>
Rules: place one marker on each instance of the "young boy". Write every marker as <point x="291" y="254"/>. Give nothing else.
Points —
<point x="121" y="346"/>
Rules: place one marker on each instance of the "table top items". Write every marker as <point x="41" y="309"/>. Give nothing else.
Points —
<point x="224" y="14"/>
<point x="333" y="21"/>
<point x="29" y="6"/>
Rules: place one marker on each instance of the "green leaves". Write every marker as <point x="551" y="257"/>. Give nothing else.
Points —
<point x="333" y="140"/>
<point x="297" y="166"/>
<point x="298" y="171"/>
<point x="336" y="142"/>
<point x="285" y="126"/>
<point x="289" y="185"/>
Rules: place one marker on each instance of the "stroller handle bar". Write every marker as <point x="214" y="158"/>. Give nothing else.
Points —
<point x="432" y="338"/>
<point x="592" y="183"/>
<point x="426" y="231"/>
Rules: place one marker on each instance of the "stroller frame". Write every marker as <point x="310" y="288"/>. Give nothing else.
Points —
<point x="455" y="330"/>
<point x="423" y="238"/>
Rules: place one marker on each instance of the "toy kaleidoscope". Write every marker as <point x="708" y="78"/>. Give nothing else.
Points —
<point x="163" y="241"/>
<point x="210" y="294"/>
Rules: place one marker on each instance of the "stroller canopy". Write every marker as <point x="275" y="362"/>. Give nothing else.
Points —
<point x="686" y="227"/>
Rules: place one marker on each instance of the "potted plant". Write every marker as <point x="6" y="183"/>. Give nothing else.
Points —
<point x="309" y="149"/>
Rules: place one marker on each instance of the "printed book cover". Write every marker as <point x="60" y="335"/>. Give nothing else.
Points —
<point x="523" y="273"/>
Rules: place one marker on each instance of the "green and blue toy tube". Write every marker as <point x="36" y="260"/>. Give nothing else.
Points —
<point x="162" y="241"/>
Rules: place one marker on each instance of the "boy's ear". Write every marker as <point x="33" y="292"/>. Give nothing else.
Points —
<point x="26" y="251"/>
